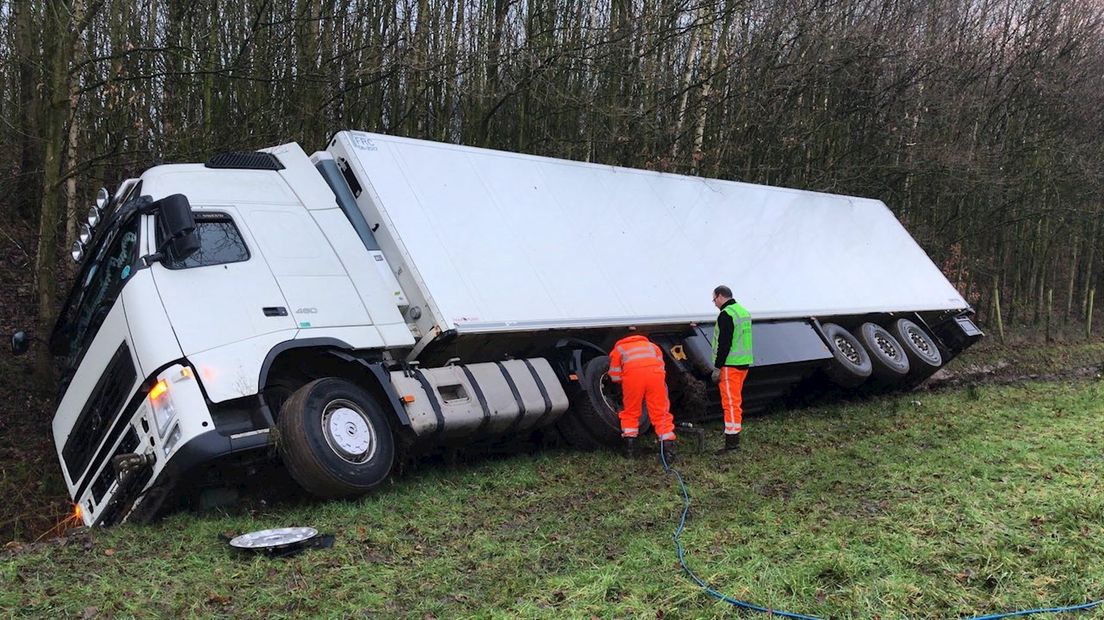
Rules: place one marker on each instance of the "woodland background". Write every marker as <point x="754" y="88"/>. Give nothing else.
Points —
<point x="977" y="121"/>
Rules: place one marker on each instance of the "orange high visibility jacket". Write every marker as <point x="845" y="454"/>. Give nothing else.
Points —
<point x="633" y="353"/>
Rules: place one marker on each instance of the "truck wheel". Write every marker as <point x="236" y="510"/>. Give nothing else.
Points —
<point x="276" y="393"/>
<point x="599" y="413"/>
<point x="887" y="356"/>
<point x="594" y="408"/>
<point x="850" y="365"/>
<point x="918" y="345"/>
<point x="334" y="439"/>
<point x="572" y="430"/>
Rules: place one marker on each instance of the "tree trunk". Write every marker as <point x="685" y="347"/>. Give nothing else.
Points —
<point x="499" y="9"/>
<point x="1089" y="313"/>
<point x="693" y="49"/>
<point x="72" y="210"/>
<point x="1072" y="281"/>
<point x="24" y="34"/>
<point x="418" y="80"/>
<point x="453" y="54"/>
<point x="1089" y="260"/>
<point x="53" y="125"/>
<point x="997" y="308"/>
<point x="707" y="91"/>
<point x="209" y="69"/>
<point x="1049" y="313"/>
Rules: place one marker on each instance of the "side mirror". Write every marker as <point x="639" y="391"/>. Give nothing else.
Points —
<point x="20" y="342"/>
<point x="177" y="226"/>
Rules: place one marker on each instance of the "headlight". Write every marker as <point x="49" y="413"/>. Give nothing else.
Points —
<point x="102" y="198"/>
<point x="162" y="404"/>
<point x="77" y="251"/>
<point x="85" y="234"/>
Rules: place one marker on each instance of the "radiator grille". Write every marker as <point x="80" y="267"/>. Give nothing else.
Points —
<point x="107" y="398"/>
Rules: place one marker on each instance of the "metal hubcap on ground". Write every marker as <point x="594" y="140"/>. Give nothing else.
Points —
<point x="848" y="351"/>
<point x="348" y="432"/>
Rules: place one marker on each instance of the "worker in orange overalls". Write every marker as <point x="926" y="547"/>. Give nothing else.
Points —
<point x="637" y="364"/>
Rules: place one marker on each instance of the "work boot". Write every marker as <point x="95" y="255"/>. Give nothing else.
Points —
<point x="628" y="447"/>
<point x="667" y="451"/>
<point x="732" y="444"/>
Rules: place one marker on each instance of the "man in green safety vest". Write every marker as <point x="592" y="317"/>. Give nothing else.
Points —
<point x="732" y="356"/>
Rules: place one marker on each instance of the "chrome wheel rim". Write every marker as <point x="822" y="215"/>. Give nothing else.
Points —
<point x="886" y="345"/>
<point x="845" y="347"/>
<point x="921" y="342"/>
<point x="348" y="431"/>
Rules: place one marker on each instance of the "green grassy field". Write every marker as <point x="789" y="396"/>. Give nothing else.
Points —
<point x="922" y="505"/>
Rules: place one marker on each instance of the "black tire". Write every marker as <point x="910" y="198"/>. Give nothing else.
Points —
<point x="850" y="365"/>
<point x="572" y="431"/>
<point x="887" y="356"/>
<point x="600" y="409"/>
<point x="327" y="463"/>
<point x="593" y="418"/>
<point x="923" y="354"/>
<point x="276" y="393"/>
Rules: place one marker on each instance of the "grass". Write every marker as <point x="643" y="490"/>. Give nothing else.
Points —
<point x="921" y="505"/>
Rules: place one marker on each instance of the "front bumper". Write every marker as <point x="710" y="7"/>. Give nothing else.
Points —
<point x="170" y="446"/>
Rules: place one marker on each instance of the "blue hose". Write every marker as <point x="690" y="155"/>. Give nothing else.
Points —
<point x="785" y="614"/>
<point x="1049" y="610"/>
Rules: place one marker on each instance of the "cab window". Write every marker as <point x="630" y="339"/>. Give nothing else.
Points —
<point x="220" y="242"/>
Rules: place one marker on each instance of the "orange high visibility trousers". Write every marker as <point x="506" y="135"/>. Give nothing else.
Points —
<point x="732" y="399"/>
<point x="646" y="385"/>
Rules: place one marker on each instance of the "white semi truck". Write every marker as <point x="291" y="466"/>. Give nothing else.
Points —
<point x="394" y="296"/>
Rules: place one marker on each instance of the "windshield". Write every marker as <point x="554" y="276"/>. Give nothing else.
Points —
<point x="95" y="293"/>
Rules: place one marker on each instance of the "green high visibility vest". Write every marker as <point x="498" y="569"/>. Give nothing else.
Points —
<point x="739" y="354"/>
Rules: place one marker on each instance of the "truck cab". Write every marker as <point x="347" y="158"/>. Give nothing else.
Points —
<point x="162" y="355"/>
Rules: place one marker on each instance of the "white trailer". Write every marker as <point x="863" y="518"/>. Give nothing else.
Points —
<point x="392" y="296"/>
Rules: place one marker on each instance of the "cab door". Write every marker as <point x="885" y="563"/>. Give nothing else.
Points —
<point x="224" y="293"/>
<point x="319" y="291"/>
